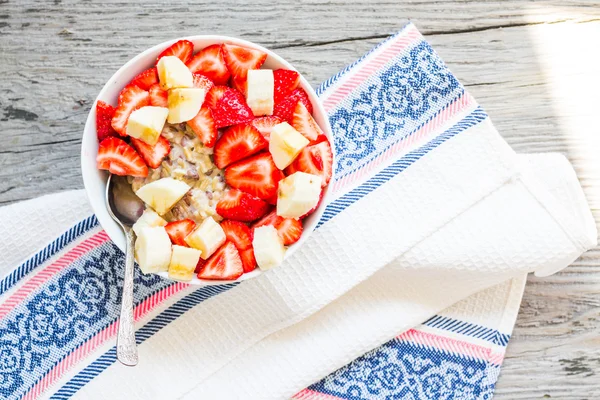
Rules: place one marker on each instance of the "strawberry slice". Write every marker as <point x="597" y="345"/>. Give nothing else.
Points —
<point x="237" y="233"/>
<point x="231" y="109"/>
<point x="240" y="206"/>
<point x="239" y="141"/>
<point x="248" y="261"/>
<point x="152" y="155"/>
<point x="200" y="265"/>
<point x="120" y="158"/>
<point x="256" y="175"/>
<point x="285" y="108"/>
<point x="204" y="127"/>
<point x="224" y="264"/>
<point x="158" y="96"/>
<point x="146" y="79"/>
<point x="210" y="62"/>
<point x="181" y="49"/>
<point x="178" y="230"/>
<point x="316" y="159"/>
<point x="130" y="99"/>
<point x="241" y="59"/>
<point x="214" y="95"/>
<point x="286" y="81"/>
<point x="288" y="229"/>
<point x="304" y="123"/>
<point x="202" y="82"/>
<point x="104" y="115"/>
<point x="265" y="125"/>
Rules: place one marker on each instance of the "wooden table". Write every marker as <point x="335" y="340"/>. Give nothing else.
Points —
<point x="533" y="65"/>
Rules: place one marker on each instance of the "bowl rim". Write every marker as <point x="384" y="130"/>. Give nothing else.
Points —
<point x="91" y="175"/>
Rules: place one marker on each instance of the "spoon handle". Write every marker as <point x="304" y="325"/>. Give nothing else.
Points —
<point x="126" y="347"/>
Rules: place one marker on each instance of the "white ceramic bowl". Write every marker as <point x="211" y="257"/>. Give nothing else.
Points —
<point x="95" y="180"/>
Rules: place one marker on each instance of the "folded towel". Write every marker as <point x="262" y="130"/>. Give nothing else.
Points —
<point x="430" y="206"/>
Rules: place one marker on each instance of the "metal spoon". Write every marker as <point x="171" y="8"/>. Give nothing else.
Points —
<point x="125" y="208"/>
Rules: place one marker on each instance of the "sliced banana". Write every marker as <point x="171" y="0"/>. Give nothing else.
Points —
<point x="207" y="237"/>
<point x="260" y="91"/>
<point x="285" y="144"/>
<point x="147" y="123"/>
<point x="298" y="194"/>
<point x="173" y="73"/>
<point x="162" y="194"/>
<point x="268" y="247"/>
<point x="148" y="219"/>
<point x="153" y="249"/>
<point x="184" y="104"/>
<point x="183" y="263"/>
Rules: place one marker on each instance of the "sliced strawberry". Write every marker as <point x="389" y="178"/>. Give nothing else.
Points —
<point x="238" y="233"/>
<point x="104" y="115"/>
<point x="231" y="109"/>
<point x="224" y="264"/>
<point x="200" y="265"/>
<point x="272" y="200"/>
<point x="241" y="59"/>
<point x="270" y="219"/>
<point x="265" y="125"/>
<point x="202" y="82"/>
<point x="239" y="206"/>
<point x="178" y="230"/>
<point x="152" y="155"/>
<point x="181" y="49"/>
<point x="288" y="229"/>
<point x="256" y="175"/>
<point x="204" y="127"/>
<point x="286" y="81"/>
<point x="239" y="84"/>
<point x="158" y="96"/>
<point x="285" y="108"/>
<point x="239" y="141"/>
<point x="304" y="123"/>
<point x="146" y="79"/>
<point x="210" y="62"/>
<point x="214" y="95"/>
<point x="316" y="159"/>
<point x="120" y="158"/>
<point x="131" y="98"/>
<point x="248" y="261"/>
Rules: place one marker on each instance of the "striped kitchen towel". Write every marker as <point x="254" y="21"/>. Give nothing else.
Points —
<point x="409" y="288"/>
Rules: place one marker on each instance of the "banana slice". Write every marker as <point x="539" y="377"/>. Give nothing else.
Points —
<point x="285" y="144"/>
<point x="184" y="104"/>
<point x="268" y="247"/>
<point x="148" y="219"/>
<point x="147" y="123"/>
<point x="298" y="194"/>
<point x="162" y="194"/>
<point x="208" y="237"/>
<point x="173" y="73"/>
<point x="260" y="91"/>
<point x="153" y="249"/>
<point x="183" y="263"/>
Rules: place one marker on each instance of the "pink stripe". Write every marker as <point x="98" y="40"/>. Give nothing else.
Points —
<point x="44" y="275"/>
<point x="308" y="394"/>
<point x="443" y="343"/>
<point x="497" y="358"/>
<point x="100" y="338"/>
<point x="424" y="134"/>
<point x="396" y="46"/>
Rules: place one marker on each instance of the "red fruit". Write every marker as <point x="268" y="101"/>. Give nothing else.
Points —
<point x="239" y="84"/>
<point x="224" y="264"/>
<point x="178" y="230"/>
<point x="214" y="95"/>
<point x="288" y="229"/>
<point x="248" y="261"/>
<point x="270" y="219"/>
<point x="200" y="265"/>
<point x="239" y="141"/>
<point x="265" y="125"/>
<point x="304" y="123"/>
<point x="210" y="62"/>
<point x="285" y="108"/>
<point x="202" y="82"/>
<point x="152" y="155"/>
<point x="316" y="159"/>
<point x="286" y="81"/>
<point x="256" y="175"/>
<point x="181" y="49"/>
<point x="120" y="158"/>
<point x="158" y="97"/>
<point x="241" y="59"/>
<point x="146" y="79"/>
<point x="130" y="99"/>
<point x="204" y="127"/>
<point x="104" y="116"/>
<point x="238" y="233"/>
<point x="240" y="206"/>
<point x="232" y="109"/>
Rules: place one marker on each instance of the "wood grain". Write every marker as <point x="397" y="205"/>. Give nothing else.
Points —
<point x="531" y="65"/>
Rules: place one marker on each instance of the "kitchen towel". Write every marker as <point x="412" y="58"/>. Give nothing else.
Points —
<point x="430" y="206"/>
